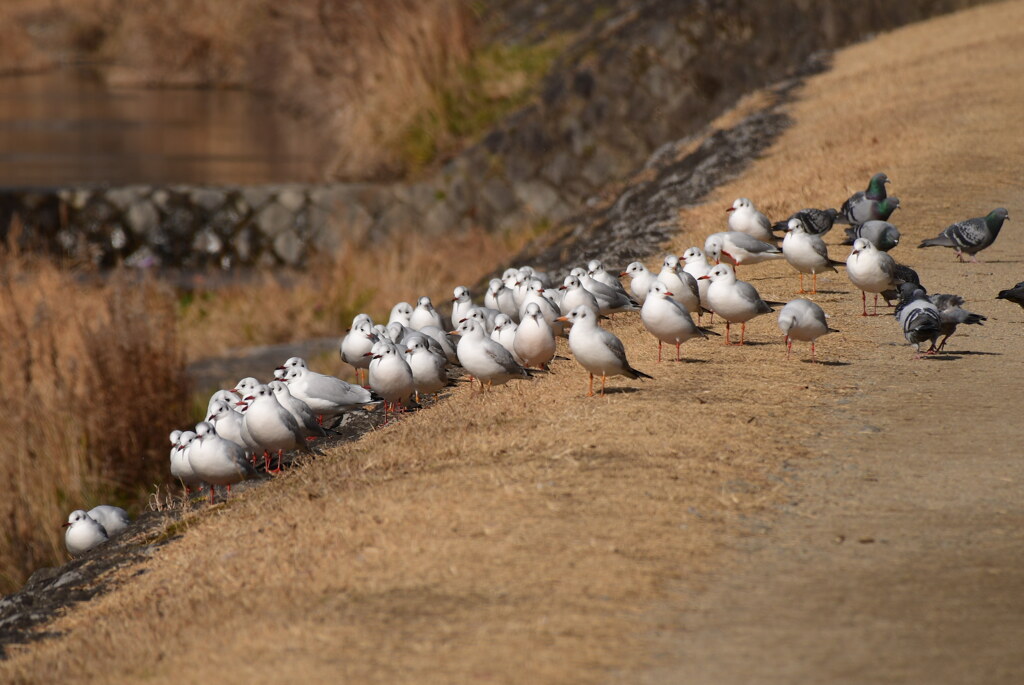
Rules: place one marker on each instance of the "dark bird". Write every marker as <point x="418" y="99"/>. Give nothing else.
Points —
<point x="881" y="234"/>
<point x="858" y="207"/>
<point x="970" y="236"/>
<point x="1014" y="294"/>
<point x="951" y="315"/>
<point x="919" y="318"/>
<point x="816" y="221"/>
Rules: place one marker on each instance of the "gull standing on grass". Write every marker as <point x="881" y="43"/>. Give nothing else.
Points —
<point x="803" y="320"/>
<point x="734" y="300"/>
<point x="871" y="270"/>
<point x="534" y="342"/>
<point x="733" y="247"/>
<point x="744" y="217"/>
<point x="270" y="426"/>
<point x="428" y="369"/>
<point x="504" y="334"/>
<point x="390" y="375"/>
<point x="356" y="343"/>
<point x="640" y="280"/>
<point x="325" y="395"/>
<point x="484" y="359"/>
<point x="807" y="253"/>
<point x="597" y="350"/>
<point x="227" y="421"/>
<point x="83" y="533"/>
<point x="668" y="320"/>
<point x="218" y="461"/>
<point x="181" y="468"/>
<point x="299" y="410"/>
<point x="681" y="284"/>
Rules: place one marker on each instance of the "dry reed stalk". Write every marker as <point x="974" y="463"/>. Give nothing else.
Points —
<point x="93" y="377"/>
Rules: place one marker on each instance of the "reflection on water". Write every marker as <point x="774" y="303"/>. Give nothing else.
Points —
<point x="65" y="127"/>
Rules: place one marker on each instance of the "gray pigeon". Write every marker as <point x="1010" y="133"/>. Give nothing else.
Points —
<point x="970" y="236"/>
<point x="881" y="234"/>
<point x="902" y="274"/>
<point x="1014" y="294"/>
<point x="858" y="204"/>
<point x="869" y="210"/>
<point x="817" y="221"/>
<point x="919" y="317"/>
<point x="951" y="315"/>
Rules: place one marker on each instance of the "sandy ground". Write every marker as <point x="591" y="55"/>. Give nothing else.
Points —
<point x="740" y="518"/>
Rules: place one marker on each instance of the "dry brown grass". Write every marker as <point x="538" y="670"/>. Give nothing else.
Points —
<point x="368" y="276"/>
<point x="92" y="374"/>
<point x="533" y="535"/>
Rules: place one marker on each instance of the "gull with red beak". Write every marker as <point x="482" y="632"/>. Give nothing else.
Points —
<point x="667" y="320"/>
<point x="744" y="217"/>
<point x="218" y="461"/>
<point x="803" y="320"/>
<point x="733" y="300"/>
<point x="390" y="375"/>
<point x="83" y="533"/>
<point x="356" y="343"/>
<point x="597" y="350"/>
<point x="871" y="270"/>
<point x="270" y="426"/>
<point x="485" y="359"/>
<point x="733" y="247"/>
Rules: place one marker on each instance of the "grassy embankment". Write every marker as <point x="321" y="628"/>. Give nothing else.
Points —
<point x="533" y="521"/>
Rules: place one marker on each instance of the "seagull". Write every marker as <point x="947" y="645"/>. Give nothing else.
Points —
<point x="803" y="320"/>
<point x="817" y="221"/>
<point x="424" y="315"/>
<point x="227" y="421"/>
<point x="745" y="218"/>
<point x="299" y="410"/>
<point x="325" y="395"/>
<point x="504" y="334"/>
<point x="697" y="265"/>
<point x="668" y="320"/>
<point x="529" y="272"/>
<point x="549" y="308"/>
<point x="270" y="426"/>
<point x="402" y="313"/>
<point x="228" y="396"/>
<point x="597" y="350"/>
<point x="486" y="317"/>
<point x="534" y="341"/>
<point x="218" y="461"/>
<point x="970" y="236"/>
<point x="445" y="346"/>
<point x="576" y="295"/>
<point x="83" y="533"/>
<point x="462" y="302"/>
<point x="871" y="270"/>
<point x="356" y="343"/>
<point x="596" y="270"/>
<point x="858" y="204"/>
<point x="919" y="317"/>
<point x="114" y="520"/>
<point x="1014" y="294"/>
<point x="390" y="375"/>
<point x="641" y="281"/>
<point x="681" y="284"/>
<point x="428" y="369"/>
<point x="484" y="359"/>
<point x="881" y="234"/>
<point x="806" y="252"/>
<point x="951" y="315"/>
<point x="180" y="466"/>
<point x="733" y="300"/>
<point x="733" y="247"/>
<point x="248" y="385"/>
<point x="498" y="296"/>
<point x="609" y="300"/>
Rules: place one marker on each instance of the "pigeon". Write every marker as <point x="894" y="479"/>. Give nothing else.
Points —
<point x="114" y="520"/>
<point x="904" y="274"/>
<point x="870" y="210"/>
<point x="970" y="236"/>
<point x="668" y="320"/>
<point x="745" y="218"/>
<point x="881" y="234"/>
<point x="919" y="317"/>
<point x="738" y="248"/>
<point x="733" y="300"/>
<point x="83" y="533"/>
<point x="817" y="221"/>
<point x="803" y="320"/>
<point x="806" y="252"/>
<point x="861" y="203"/>
<point x="871" y="270"/>
<point x="1014" y="294"/>
<point x="951" y="315"/>
<point x="597" y="350"/>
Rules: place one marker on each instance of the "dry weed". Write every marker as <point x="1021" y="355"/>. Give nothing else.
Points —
<point x="92" y="378"/>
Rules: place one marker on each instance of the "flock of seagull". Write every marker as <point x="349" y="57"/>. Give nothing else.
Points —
<point x="513" y="333"/>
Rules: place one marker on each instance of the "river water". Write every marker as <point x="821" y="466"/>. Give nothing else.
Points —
<point x="67" y="127"/>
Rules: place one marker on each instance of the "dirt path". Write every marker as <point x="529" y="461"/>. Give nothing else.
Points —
<point x="739" y="518"/>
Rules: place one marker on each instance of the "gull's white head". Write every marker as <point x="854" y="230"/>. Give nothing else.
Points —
<point x="862" y="245"/>
<point x="693" y="253"/>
